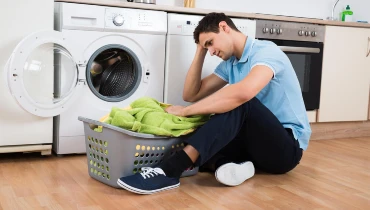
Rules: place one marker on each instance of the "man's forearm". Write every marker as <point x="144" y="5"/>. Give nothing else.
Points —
<point x="193" y="77"/>
<point x="234" y="95"/>
<point x="222" y="101"/>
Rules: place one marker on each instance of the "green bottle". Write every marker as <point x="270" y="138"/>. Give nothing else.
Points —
<point x="347" y="15"/>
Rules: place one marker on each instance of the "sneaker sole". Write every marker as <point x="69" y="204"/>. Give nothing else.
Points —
<point x="144" y="192"/>
<point x="233" y="174"/>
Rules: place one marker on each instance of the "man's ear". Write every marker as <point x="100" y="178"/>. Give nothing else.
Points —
<point x="224" y="27"/>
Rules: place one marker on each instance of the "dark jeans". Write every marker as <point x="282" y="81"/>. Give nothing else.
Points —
<point x="250" y="132"/>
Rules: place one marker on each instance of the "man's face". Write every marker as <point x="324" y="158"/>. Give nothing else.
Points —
<point x="217" y="44"/>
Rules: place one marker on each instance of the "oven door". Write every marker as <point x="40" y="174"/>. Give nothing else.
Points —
<point x="306" y="58"/>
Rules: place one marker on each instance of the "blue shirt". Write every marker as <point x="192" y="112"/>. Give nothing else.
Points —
<point x="282" y="95"/>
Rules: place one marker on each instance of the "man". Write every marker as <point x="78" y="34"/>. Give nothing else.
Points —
<point x="260" y="118"/>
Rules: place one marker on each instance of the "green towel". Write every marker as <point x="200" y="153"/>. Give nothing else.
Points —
<point x="147" y="115"/>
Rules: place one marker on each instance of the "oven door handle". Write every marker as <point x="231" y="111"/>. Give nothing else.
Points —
<point x="300" y="49"/>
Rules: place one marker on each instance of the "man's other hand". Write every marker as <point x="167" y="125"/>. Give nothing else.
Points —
<point x="176" y="110"/>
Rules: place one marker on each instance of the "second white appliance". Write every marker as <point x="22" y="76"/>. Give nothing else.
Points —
<point x="180" y="51"/>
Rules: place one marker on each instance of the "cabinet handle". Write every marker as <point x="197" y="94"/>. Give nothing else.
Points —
<point x="368" y="44"/>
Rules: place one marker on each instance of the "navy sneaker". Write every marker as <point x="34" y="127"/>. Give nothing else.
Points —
<point x="149" y="181"/>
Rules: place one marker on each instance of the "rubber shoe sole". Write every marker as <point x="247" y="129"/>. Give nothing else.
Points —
<point x="233" y="174"/>
<point x="144" y="192"/>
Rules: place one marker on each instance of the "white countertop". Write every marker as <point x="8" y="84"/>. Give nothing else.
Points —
<point x="184" y="10"/>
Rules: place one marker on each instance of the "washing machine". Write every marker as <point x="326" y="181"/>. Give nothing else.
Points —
<point x="181" y="48"/>
<point x="96" y="57"/>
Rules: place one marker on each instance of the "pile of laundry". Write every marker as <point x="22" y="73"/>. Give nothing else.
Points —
<point x="147" y="115"/>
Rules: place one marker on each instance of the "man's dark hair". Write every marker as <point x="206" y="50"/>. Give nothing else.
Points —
<point x="210" y="23"/>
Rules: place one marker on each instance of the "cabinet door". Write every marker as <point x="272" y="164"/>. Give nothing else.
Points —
<point x="345" y="75"/>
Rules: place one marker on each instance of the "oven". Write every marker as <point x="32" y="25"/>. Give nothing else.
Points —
<point x="303" y="44"/>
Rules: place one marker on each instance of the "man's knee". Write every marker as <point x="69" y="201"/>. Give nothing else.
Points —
<point x="281" y="170"/>
<point x="252" y="102"/>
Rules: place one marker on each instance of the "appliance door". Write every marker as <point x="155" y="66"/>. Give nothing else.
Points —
<point x="180" y="51"/>
<point x="306" y="58"/>
<point x="42" y="74"/>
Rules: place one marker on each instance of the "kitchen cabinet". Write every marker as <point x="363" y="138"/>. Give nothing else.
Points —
<point x="369" y="103"/>
<point x="345" y="80"/>
<point x="311" y="116"/>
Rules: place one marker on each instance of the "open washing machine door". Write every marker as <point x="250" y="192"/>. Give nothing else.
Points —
<point x="42" y="74"/>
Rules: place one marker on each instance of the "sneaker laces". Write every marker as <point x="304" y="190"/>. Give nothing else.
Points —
<point x="148" y="172"/>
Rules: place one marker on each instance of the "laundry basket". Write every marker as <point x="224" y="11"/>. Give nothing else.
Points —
<point x="116" y="152"/>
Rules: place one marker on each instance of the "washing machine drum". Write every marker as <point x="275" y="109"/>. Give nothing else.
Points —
<point x="118" y="78"/>
<point x="114" y="73"/>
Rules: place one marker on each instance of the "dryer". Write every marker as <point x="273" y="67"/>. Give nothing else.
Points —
<point x="180" y="51"/>
<point x="96" y="58"/>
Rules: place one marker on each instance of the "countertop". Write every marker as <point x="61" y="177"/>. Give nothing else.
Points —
<point x="197" y="11"/>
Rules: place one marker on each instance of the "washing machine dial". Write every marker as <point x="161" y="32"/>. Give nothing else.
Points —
<point x="118" y="20"/>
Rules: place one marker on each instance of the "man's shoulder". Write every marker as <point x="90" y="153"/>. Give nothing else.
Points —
<point x="265" y="48"/>
<point x="264" y="45"/>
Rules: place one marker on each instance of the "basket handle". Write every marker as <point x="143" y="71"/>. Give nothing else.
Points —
<point x="94" y="125"/>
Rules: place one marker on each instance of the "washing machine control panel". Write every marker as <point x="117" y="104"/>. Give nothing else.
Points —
<point x="135" y="20"/>
<point x="118" y="20"/>
<point x="181" y="24"/>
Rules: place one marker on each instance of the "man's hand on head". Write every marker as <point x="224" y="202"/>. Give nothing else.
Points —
<point x="200" y="48"/>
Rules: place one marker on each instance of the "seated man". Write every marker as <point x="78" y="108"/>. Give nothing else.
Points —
<point x="260" y="118"/>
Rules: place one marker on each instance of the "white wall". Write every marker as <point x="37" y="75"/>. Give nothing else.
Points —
<point x="300" y="8"/>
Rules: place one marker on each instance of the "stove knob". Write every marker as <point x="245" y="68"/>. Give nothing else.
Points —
<point x="272" y="31"/>
<point x="118" y="20"/>
<point x="313" y="33"/>
<point x="300" y="33"/>
<point x="307" y="33"/>
<point x="279" y="31"/>
<point x="265" y="30"/>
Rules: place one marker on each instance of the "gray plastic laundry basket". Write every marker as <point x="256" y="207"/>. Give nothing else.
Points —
<point x="116" y="152"/>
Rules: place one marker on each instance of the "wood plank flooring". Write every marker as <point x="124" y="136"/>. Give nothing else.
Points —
<point x="333" y="174"/>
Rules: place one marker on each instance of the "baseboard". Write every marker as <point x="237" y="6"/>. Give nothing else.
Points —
<point x="338" y="130"/>
<point x="44" y="149"/>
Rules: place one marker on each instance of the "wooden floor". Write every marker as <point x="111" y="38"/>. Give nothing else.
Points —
<point x="333" y="174"/>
